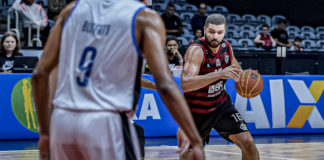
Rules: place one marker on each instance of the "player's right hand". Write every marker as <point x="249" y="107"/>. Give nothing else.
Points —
<point x="231" y="72"/>
<point x="44" y="149"/>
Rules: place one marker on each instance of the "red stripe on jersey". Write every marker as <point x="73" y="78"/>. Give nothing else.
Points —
<point x="220" y="100"/>
<point x="202" y="111"/>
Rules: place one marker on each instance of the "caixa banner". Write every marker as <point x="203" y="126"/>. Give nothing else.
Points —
<point x="287" y="104"/>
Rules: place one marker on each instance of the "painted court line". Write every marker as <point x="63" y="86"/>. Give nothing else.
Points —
<point x="260" y="156"/>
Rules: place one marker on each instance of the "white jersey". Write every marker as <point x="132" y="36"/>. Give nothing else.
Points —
<point x="99" y="63"/>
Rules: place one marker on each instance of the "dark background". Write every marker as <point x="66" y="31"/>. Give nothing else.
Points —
<point x="298" y="12"/>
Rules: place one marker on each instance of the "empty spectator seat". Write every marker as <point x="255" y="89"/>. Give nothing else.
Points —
<point x="309" y="44"/>
<point x="320" y="35"/>
<point x="293" y="29"/>
<point x="220" y="9"/>
<point x="232" y="34"/>
<point x="308" y="35"/>
<point x="264" y="19"/>
<point x="275" y="18"/>
<point x="247" y="27"/>
<point x="234" y="19"/>
<point x="319" y="29"/>
<point x="189" y="8"/>
<point x="185" y="16"/>
<point x="293" y="35"/>
<point x="233" y="42"/>
<point x="307" y="29"/>
<point x="182" y="41"/>
<point x="247" y="34"/>
<point x="232" y="27"/>
<point x="249" y="19"/>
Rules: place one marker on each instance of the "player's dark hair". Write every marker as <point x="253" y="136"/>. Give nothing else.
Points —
<point x="216" y="19"/>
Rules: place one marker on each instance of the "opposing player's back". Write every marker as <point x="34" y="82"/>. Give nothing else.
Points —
<point x="99" y="63"/>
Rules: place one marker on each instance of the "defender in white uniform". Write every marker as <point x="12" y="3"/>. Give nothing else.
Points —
<point x="98" y="69"/>
<point x="94" y="43"/>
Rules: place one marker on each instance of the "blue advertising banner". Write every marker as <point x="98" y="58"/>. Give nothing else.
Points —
<point x="286" y="105"/>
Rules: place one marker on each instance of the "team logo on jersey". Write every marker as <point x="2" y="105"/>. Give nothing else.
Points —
<point x="218" y="63"/>
<point x="226" y="58"/>
<point x="223" y="45"/>
<point x="23" y="105"/>
<point x="243" y="127"/>
<point x="208" y="66"/>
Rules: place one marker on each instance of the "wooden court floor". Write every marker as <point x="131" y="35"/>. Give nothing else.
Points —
<point x="274" y="151"/>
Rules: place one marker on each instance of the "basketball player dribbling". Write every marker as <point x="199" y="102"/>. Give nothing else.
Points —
<point x="209" y="61"/>
<point x="97" y="45"/>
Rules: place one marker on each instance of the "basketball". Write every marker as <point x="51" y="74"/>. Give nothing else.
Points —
<point x="250" y="84"/>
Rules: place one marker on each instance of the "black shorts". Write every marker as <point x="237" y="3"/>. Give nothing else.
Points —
<point x="225" y="119"/>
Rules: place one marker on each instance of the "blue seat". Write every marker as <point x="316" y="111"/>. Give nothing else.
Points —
<point x="209" y="9"/>
<point x="232" y="41"/>
<point x="293" y="29"/>
<point x="320" y="35"/>
<point x="185" y="16"/>
<point x="182" y="41"/>
<point x="189" y="8"/>
<point x="232" y="34"/>
<point x="178" y="8"/>
<point x="293" y="35"/>
<point x="247" y="27"/>
<point x="159" y="7"/>
<point x="308" y="35"/>
<point x="247" y="34"/>
<point x="320" y="44"/>
<point x="232" y="27"/>
<point x="319" y="29"/>
<point x="220" y="9"/>
<point x="186" y="25"/>
<point x="307" y="29"/>
<point x="309" y="44"/>
<point x="246" y="44"/>
<point x="249" y="19"/>
<point x="234" y="19"/>
<point x="264" y="19"/>
<point x="275" y="18"/>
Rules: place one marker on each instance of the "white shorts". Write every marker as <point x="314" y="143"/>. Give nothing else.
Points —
<point x="92" y="136"/>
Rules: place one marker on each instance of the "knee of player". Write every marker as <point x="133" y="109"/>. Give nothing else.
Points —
<point x="248" y="145"/>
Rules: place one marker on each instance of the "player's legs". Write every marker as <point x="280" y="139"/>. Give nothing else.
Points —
<point x="203" y="124"/>
<point x="232" y="127"/>
<point x="92" y="136"/>
<point x="246" y="143"/>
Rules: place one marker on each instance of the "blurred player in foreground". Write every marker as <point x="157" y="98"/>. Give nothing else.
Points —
<point x="96" y="45"/>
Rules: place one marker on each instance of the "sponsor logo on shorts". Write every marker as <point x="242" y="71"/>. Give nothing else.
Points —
<point x="23" y="105"/>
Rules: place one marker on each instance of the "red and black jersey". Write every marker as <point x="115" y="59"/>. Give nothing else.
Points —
<point x="267" y="39"/>
<point x="206" y="99"/>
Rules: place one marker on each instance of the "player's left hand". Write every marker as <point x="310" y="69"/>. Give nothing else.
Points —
<point x="44" y="149"/>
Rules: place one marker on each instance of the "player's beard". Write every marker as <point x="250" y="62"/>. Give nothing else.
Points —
<point x="212" y="43"/>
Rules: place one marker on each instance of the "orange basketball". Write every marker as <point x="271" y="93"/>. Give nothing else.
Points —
<point x="250" y="84"/>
